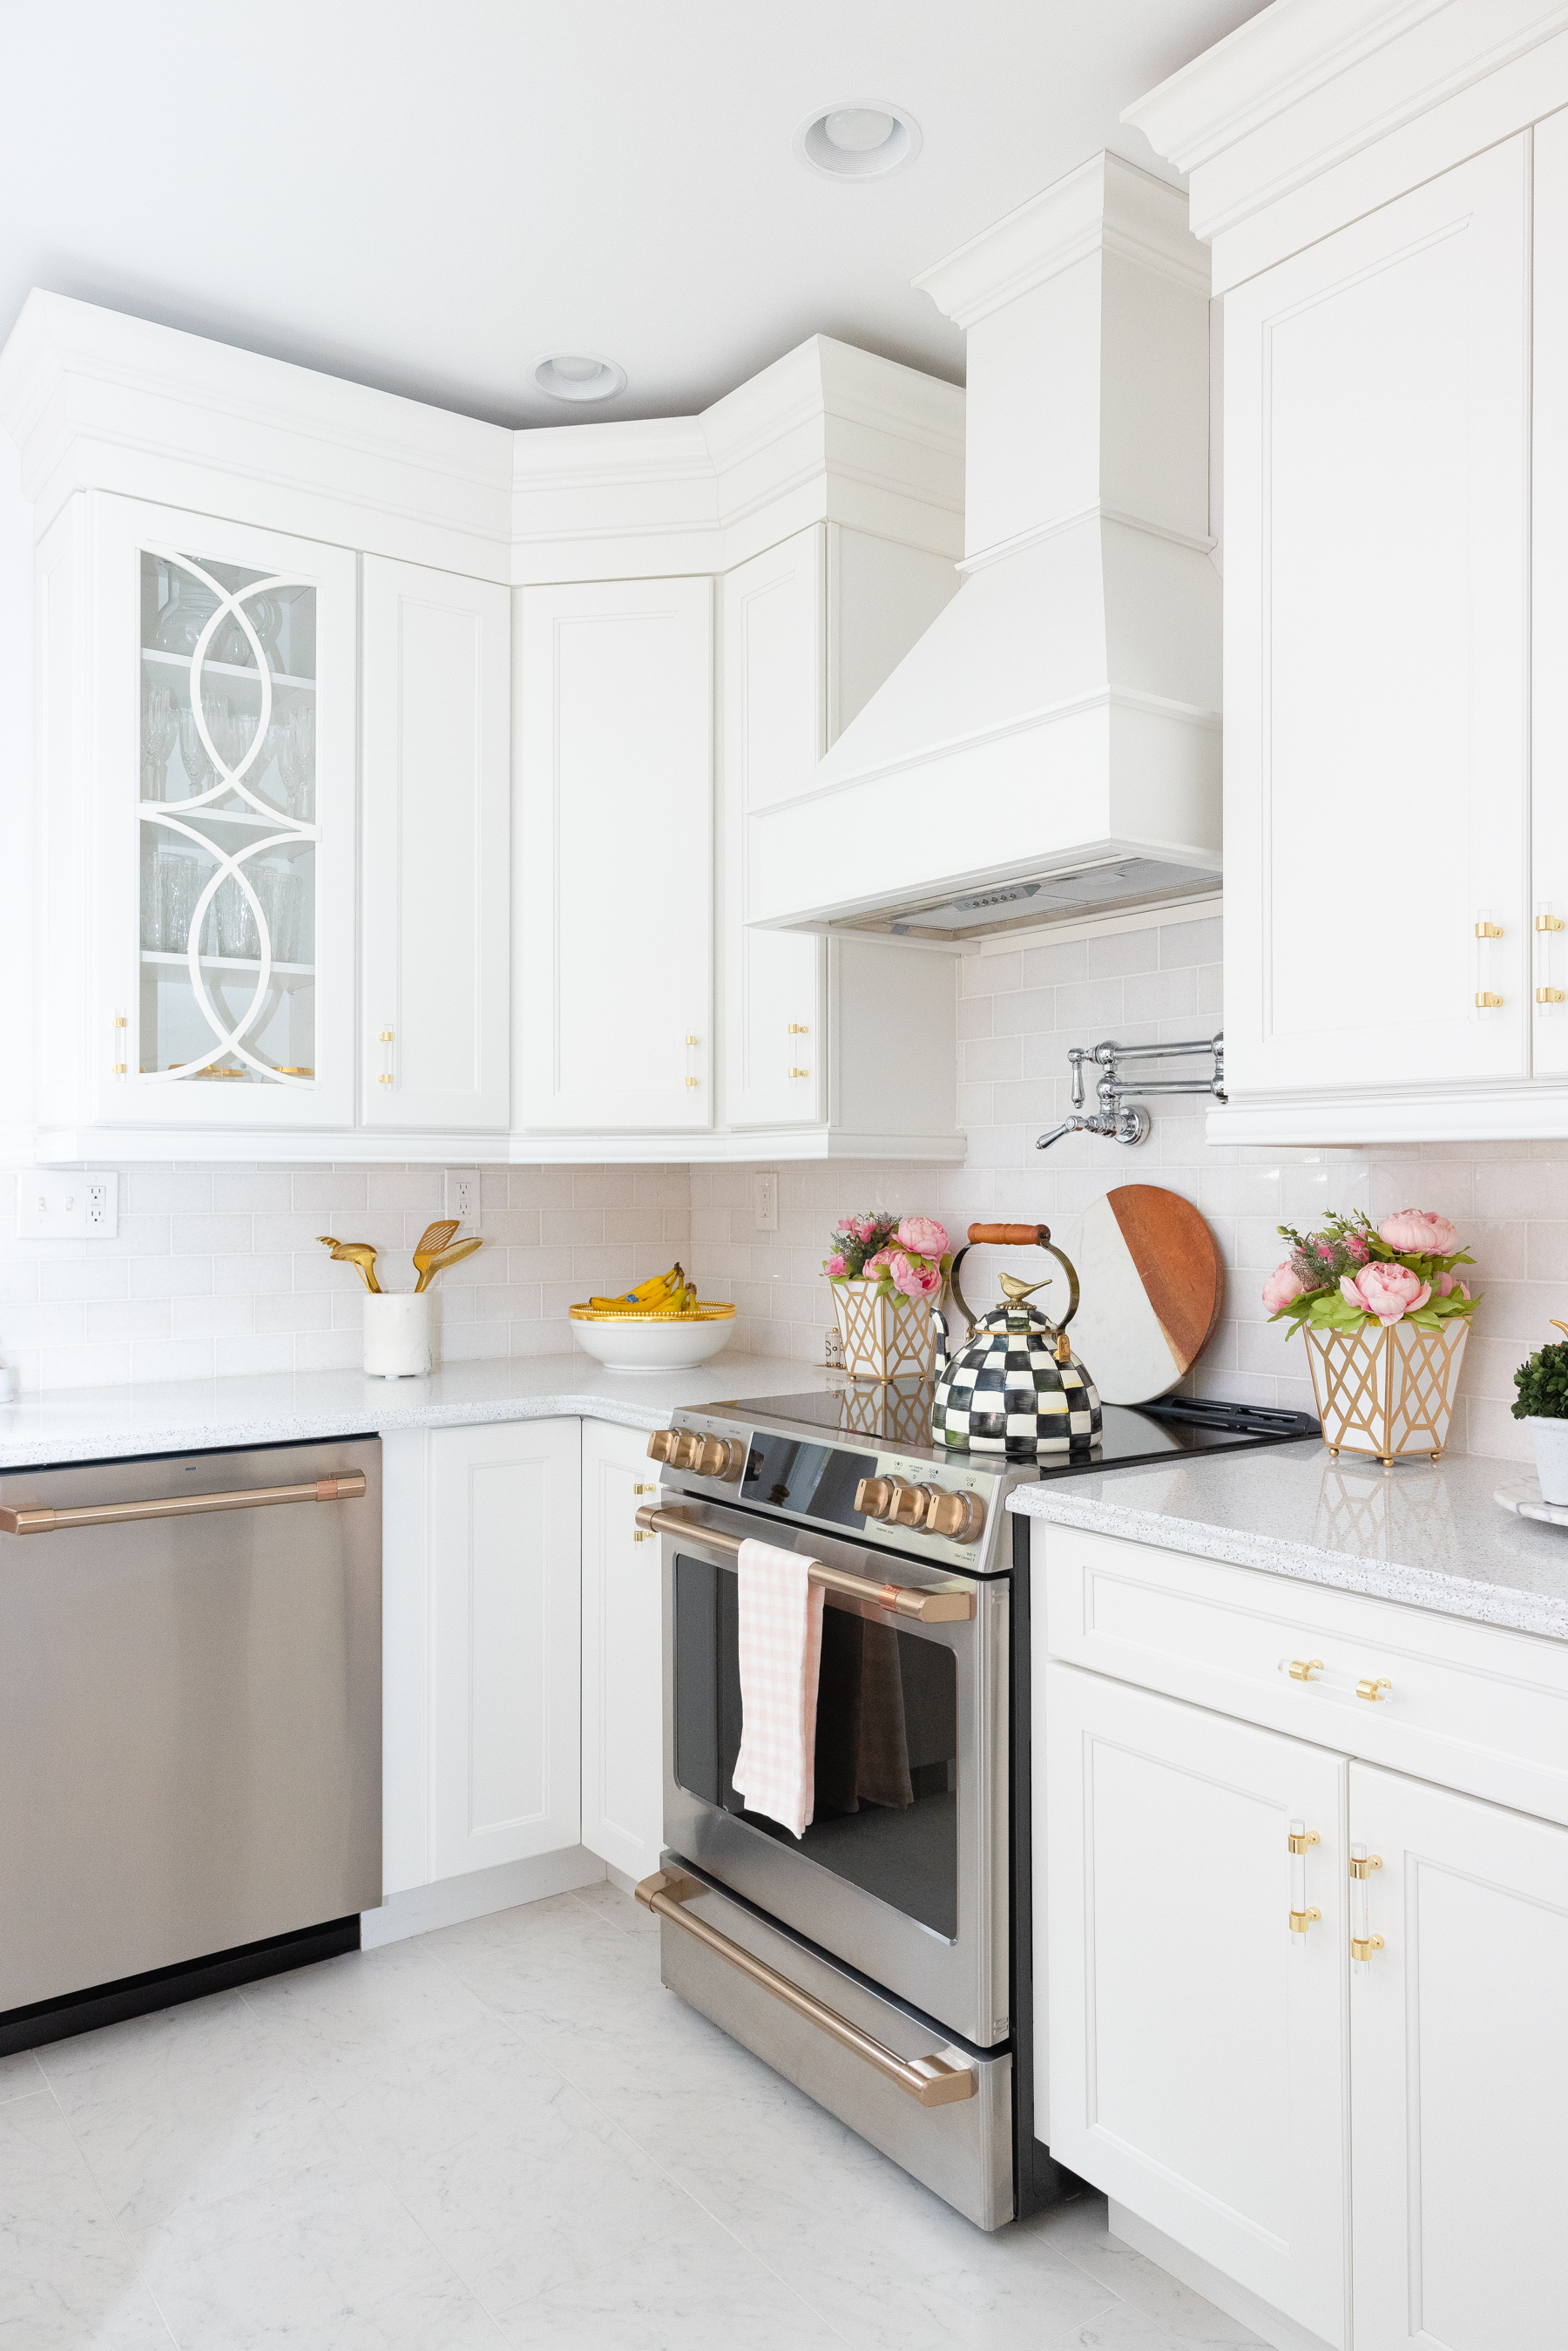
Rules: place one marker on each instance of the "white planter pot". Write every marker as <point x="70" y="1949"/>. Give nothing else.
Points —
<point x="398" y="1334"/>
<point x="1550" y="1438"/>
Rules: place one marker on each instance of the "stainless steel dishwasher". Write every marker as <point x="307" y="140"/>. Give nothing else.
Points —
<point x="190" y="1725"/>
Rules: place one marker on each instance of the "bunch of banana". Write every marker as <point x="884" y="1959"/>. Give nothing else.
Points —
<point x="666" y="1293"/>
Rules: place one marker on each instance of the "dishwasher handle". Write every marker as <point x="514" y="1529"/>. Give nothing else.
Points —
<point x="348" y="1486"/>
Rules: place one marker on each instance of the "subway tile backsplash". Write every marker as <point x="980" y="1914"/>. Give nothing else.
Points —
<point x="219" y="1269"/>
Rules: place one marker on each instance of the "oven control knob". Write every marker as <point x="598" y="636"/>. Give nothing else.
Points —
<point x="662" y="1444"/>
<point x="960" y="1516"/>
<point x="909" y="1504"/>
<point x="715" y="1456"/>
<point x="876" y="1498"/>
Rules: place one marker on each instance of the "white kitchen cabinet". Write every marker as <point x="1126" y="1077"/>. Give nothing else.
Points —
<point x="197" y="820"/>
<point x="1549" y="674"/>
<point x="1460" y="2073"/>
<point x="1378" y="911"/>
<point x="622" y="1679"/>
<point x="434" y="923"/>
<point x="613" y="895"/>
<point x="502" y="1739"/>
<point x="810" y="628"/>
<point x="1196" y="2044"/>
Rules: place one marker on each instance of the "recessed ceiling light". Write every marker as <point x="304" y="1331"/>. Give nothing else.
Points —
<point x="573" y="375"/>
<point x="860" y="139"/>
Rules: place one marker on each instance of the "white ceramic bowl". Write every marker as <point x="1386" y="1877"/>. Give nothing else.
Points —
<point x="672" y="1344"/>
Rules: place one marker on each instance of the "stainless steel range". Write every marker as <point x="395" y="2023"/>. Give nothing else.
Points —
<point x="883" y="1961"/>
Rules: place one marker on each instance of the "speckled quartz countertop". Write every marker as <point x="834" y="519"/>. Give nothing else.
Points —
<point x="1431" y="1535"/>
<point x="176" y="1417"/>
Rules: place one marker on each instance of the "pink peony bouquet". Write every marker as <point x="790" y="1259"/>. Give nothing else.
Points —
<point x="1355" y="1273"/>
<point x="908" y="1254"/>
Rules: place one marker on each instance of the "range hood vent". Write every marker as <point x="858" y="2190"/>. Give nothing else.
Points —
<point x="1050" y="746"/>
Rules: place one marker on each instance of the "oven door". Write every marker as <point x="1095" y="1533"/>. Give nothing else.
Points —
<point x="902" y="1871"/>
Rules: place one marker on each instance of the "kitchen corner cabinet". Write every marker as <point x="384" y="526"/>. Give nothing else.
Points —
<point x="1197" y="2070"/>
<point x="197" y="820"/>
<point x="623" y="1675"/>
<point x="482" y="1647"/>
<point x="613" y="895"/>
<point x="435" y="759"/>
<point x="809" y="629"/>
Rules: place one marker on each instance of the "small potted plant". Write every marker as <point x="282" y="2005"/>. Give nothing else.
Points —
<point x="1384" y="1316"/>
<point x="886" y="1273"/>
<point x="1542" y="1405"/>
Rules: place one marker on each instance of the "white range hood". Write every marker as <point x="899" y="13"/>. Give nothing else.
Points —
<point x="1050" y="746"/>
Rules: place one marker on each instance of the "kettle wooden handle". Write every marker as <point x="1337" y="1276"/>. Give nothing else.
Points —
<point x="1008" y="1236"/>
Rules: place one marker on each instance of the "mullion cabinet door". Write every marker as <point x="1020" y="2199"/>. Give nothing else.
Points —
<point x="612" y="891"/>
<point x="220" y="913"/>
<point x="1196" y="2042"/>
<point x="1458" y="2072"/>
<point x="437" y="789"/>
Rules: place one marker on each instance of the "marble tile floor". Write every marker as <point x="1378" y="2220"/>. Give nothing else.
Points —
<point x="503" y="2134"/>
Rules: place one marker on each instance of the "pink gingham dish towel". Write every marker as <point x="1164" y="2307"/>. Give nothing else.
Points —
<point x="780" y="1654"/>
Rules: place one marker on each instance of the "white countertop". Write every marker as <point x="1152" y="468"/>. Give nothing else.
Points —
<point x="183" y="1417"/>
<point x="1428" y="1534"/>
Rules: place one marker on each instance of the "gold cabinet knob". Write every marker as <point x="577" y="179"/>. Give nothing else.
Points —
<point x="799" y="1073"/>
<point x="798" y="1029"/>
<point x="1303" y="1668"/>
<point x="1486" y="1001"/>
<point x="645" y="1488"/>
<point x="1362" y="1947"/>
<point x="1551" y="995"/>
<point x="1362" y="1865"/>
<point x="1489" y="930"/>
<point x="1368" y="1689"/>
<point x="1301" y="1920"/>
<point x="960" y="1516"/>
<point x="661" y="1445"/>
<point x="1550" y="922"/>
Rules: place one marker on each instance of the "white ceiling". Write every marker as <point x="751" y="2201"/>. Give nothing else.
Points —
<point x="430" y="197"/>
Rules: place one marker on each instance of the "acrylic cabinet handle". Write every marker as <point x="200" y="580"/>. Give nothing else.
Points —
<point x="930" y="2081"/>
<point x="348" y="1488"/>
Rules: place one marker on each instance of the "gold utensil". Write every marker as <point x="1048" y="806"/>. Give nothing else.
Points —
<point x="432" y="1240"/>
<point x="359" y="1253"/>
<point x="447" y="1256"/>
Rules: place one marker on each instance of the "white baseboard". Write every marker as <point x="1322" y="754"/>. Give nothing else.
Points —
<point x="623" y="1879"/>
<point x="450" y="1900"/>
<point x="1238" y="2302"/>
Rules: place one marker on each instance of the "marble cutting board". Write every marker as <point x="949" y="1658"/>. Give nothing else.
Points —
<point x="1151" y="1286"/>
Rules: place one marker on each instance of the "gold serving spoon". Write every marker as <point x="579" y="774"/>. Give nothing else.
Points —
<point x="439" y="1263"/>
<point x="359" y="1253"/>
<point x="432" y="1240"/>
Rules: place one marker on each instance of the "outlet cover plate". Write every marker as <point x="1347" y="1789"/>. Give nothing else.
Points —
<point x="764" y="1192"/>
<point x="462" y="1194"/>
<point x="72" y="1203"/>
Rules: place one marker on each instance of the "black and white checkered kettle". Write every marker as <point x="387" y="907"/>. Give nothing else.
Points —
<point x="1014" y="1385"/>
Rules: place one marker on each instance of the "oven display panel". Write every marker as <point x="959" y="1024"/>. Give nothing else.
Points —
<point x="783" y="1473"/>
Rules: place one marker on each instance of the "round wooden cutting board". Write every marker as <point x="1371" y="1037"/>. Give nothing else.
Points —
<point x="1152" y="1287"/>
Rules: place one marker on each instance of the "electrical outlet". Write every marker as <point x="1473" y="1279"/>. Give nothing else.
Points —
<point x="72" y="1205"/>
<point x="764" y="1192"/>
<point x="463" y="1194"/>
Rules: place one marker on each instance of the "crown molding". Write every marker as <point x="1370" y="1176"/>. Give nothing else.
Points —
<point x="1107" y="204"/>
<point x="1309" y="84"/>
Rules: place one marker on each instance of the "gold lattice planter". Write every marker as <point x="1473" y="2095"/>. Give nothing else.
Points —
<point x="1389" y="1391"/>
<point x="884" y="1338"/>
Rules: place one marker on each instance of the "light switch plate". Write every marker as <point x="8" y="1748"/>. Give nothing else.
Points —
<point x="764" y="1192"/>
<point x="73" y="1203"/>
<point x="463" y="1194"/>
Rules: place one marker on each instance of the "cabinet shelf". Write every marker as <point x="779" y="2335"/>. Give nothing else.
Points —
<point x="293" y="975"/>
<point x="288" y="844"/>
<point x="227" y="669"/>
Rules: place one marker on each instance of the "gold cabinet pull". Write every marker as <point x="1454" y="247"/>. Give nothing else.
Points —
<point x="1551" y="995"/>
<point x="1486" y="1001"/>
<point x="1300" y="1840"/>
<point x="1362" y="1865"/>
<point x="1362" y="1947"/>
<point x="799" y="1073"/>
<point x="798" y="1029"/>
<point x="639" y="1488"/>
<point x="1303" y="1668"/>
<point x="930" y="2081"/>
<point x="1489" y="930"/>
<point x="1550" y="922"/>
<point x="1368" y="1689"/>
<point x="1301" y="1920"/>
<point x="1363" y="1942"/>
<point x="1299" y="1844"/>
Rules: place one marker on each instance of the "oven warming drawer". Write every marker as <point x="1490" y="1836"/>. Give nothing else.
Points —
<point x="961" y="2148"/>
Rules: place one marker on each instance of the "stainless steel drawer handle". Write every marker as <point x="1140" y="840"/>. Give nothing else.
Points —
<point x="348" y="1488"/>
<point x="926" y="1607"/>
<point x="930" y="2081"/>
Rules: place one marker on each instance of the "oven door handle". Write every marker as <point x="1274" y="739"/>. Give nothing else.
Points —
<point x="900" y="1599"/>
<point x="930" y="2081"/>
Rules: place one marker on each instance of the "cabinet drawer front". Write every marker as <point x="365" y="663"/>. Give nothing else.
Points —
<point x="1470" y="1707"/>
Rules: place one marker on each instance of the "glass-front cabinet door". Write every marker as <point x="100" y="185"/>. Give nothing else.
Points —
<point x="228" y="898"/>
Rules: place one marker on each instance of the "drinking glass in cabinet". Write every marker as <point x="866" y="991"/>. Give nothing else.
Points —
<point x="199" y="769"/>
<point x="297" y="759"/>
<point x="237" y="938"/>
<point x="160" y="727"/>
<point x="176" y="900"/>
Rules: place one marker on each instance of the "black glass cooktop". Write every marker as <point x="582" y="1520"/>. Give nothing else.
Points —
<point x="897" y="1413"/>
